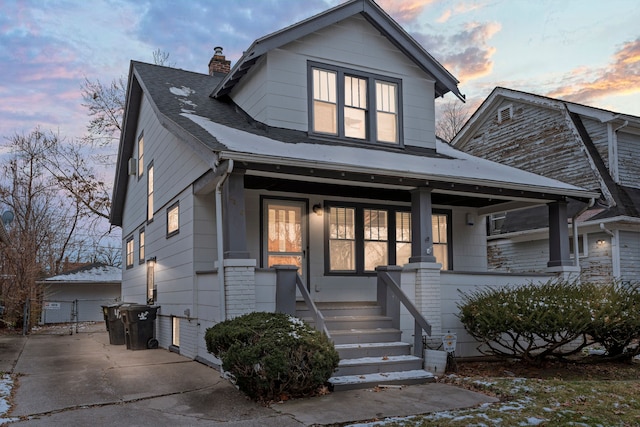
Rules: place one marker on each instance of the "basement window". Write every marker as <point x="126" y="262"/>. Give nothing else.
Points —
<point x="505" y="113"/>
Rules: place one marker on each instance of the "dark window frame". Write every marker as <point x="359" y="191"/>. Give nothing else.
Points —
<point x="127" y="253"/>
<point x="150" y="195"/>
<point x="359" y="234"/>
<point x="176" y="205"/>
<point x="140" y="159"/>
<point x="371" y="125"/>
<point x="141" y="246"/>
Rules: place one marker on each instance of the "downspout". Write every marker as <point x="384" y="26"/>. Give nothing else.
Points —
<point x="223" y="299"/>
<point x="615" y="253"/>
<point x="613" y="154"/>
<point x="574" y="224"/>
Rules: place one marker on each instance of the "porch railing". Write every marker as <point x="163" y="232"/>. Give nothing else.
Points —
<point x="287" y="281"/>
<point x="390" y="295"/>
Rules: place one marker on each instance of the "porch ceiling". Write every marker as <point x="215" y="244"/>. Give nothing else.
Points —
<point x="348" y="184"/>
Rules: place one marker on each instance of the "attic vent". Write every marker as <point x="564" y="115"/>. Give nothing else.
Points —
<point x="505" y="113"/>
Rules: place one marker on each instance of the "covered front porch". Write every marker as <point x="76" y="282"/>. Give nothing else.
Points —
<point x="426" y="277"/>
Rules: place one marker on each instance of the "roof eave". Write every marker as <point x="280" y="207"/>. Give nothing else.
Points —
<point x="445" y="81"/>
<point x="575" y="193"/>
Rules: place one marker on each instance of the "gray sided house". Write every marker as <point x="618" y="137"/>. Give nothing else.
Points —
<point x="307" y="179"/>
<point x="79" y="294"/>
<point x="584" y="146"/>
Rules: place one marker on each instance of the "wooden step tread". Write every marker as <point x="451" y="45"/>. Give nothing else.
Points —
<point x="383" y="377"/>
<point x="377" y="360"/>
<point x="372" y="344"/>
<point x="361" y="331"/>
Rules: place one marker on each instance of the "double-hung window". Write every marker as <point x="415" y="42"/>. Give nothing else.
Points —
<point x="361" y="238"/>
<point x="354" y="105"/>
<point x="129" y="254"/>
<point x="150" y="207"/>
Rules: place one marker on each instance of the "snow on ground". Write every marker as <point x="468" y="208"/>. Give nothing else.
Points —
<point x="6" y="384"/>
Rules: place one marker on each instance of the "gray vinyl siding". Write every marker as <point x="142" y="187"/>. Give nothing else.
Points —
<point x="628" y="155"/>
<point x="598" y="133"/>
<point x="469" y="242"/>
<point x="537" y="139"/>
<point x="275" y="90"/>
<point x="630" y="256"/>
<point x="205" y="239"/>
<point x="173" y="175"/>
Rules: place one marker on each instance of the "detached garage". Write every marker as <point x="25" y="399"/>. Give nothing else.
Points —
<point x="78" y="295"/>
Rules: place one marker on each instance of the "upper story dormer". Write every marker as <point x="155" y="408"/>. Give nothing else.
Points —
<point x="350" y="75"/>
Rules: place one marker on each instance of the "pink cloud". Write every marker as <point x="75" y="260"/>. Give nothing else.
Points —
<point x="404" y="11"/>
<point x="620" y="77"/>
<point x="472" y="58"/>
<point x="458" y="10"/>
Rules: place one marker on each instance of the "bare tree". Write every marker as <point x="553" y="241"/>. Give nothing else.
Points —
<point x="44" y="226"/>
<point x="161" y="57"/>
<point x="452" y="117"/>
<point x="106" y="109"/>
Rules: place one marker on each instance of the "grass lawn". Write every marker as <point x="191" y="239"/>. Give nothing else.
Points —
<point x="606" y="394"/>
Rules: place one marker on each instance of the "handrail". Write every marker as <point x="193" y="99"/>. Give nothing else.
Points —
<point x="318" y="318"/>
<point x="420" y="323"/>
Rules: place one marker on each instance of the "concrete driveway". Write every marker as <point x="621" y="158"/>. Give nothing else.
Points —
<point x="80" y="379"/>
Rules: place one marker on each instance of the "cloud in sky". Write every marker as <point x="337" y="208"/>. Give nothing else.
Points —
<point x="404" y="11"/>
<point x="620" y="77"/>
<point x="48" y="48"/>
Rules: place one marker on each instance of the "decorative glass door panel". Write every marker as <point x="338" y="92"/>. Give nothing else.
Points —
<point x="285" y="233"/>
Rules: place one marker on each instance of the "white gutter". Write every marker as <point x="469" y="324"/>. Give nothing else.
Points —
<point x="615" y="250"/>
<point x="574" y="223"/>
<point x="218" y="196"/>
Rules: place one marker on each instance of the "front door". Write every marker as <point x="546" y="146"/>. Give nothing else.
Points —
<point x="285" y="233"/>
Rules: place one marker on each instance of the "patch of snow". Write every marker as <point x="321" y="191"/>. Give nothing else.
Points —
<point x="533" y="421"/>
<point x="370" y="344"/>
<point x="103" y="273"/>
<point x="387" y="376"/>
<point x="379" y="359"/>
<point x="182" y="91"/>
<point x="6" y="384"/>
<point x="461" y="167"/>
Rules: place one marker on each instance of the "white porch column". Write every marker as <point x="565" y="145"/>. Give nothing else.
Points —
<point x="239" y="286"/>
<point x="428" y="299"/>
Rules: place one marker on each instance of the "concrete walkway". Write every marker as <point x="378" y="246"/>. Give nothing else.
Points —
<point x="80" y="379"/>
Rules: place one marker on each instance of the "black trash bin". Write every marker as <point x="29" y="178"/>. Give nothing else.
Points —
<point x="139" y="326"/>
<point x="114" y="324"/>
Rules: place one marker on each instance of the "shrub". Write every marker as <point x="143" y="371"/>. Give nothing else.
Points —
<point x="272" y="354"/>
<point x="530" y="322"/>
<point x="615" y="313"/>
<point x="554" y="319"/>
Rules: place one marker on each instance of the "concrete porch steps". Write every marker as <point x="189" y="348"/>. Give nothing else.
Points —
<point x="371" y="350"/>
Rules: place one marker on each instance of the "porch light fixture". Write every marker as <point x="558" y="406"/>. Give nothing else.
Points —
<point x="600" y="242"/>
<point x="151" y="260"/>
<point x="317" y="209"/>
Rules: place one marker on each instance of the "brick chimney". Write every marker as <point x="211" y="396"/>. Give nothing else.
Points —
<point x="218" y="63"/>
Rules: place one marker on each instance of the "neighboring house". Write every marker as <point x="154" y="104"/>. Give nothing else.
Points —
<point x="584" y="146"/>
<point x="317" y="150"/>
<point x="78" y="295"/>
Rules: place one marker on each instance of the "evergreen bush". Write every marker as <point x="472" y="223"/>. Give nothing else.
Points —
<point x="615" y="319"/>
<point x="555" y="319"/>
<point x="273" y="355"/>
<point x="530" y="322"/>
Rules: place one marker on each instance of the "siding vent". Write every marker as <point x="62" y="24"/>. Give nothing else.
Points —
<point x="132" y="166"/>
<point x="505" y="113"/>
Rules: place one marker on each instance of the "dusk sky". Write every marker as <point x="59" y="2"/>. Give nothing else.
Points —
<point x="586" y="51"/>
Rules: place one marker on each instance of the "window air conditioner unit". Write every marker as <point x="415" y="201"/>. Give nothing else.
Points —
<point x="132" y="166"/>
